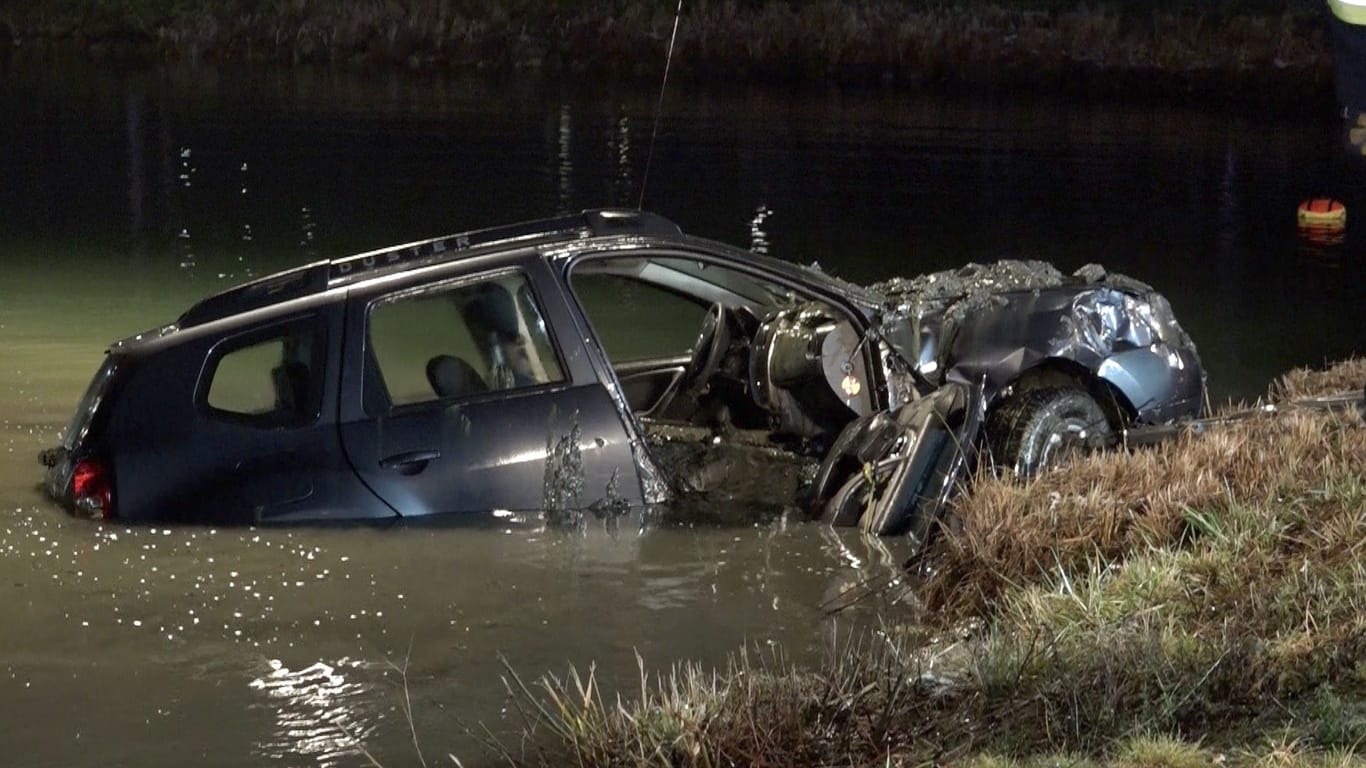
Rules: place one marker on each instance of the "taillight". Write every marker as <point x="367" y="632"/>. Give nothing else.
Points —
<point x="92" y="489"/>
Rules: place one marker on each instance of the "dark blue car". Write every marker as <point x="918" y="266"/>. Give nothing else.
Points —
<point x="604" y="361"/>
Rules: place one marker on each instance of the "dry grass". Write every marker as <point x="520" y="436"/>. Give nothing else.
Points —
<point x="1348" y="376"/>
<point x="1203" y="603"/>
<point x="758" y="711"/>
<point x="1104" y="508"/>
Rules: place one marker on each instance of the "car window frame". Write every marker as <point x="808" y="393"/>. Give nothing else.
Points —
<point x="657" y="253"/>
<point x="280" y="328"/>
<point x="823" y="289"/>
<point x="701" y="304"/>
<point x="371" y="363"/>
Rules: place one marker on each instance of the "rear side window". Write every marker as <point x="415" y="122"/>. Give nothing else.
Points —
<point x="458" y="341"/>
<point x="268" y="378"/>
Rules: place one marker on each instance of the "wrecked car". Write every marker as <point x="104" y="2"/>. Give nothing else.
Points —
<point x="603" y="361"/>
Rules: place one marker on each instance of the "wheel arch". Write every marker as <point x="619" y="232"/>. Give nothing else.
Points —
<point x="1059" y="371"/>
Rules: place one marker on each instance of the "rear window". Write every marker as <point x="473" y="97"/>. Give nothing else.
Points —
<point x="269" y="378"/>
<point x="79" y="426"/>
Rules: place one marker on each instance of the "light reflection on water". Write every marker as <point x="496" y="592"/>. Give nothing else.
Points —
<point x="315" y="710"/>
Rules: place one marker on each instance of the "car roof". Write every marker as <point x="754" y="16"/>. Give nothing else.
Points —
<point x="639" y="226"/>
<point x="322" y="275"/>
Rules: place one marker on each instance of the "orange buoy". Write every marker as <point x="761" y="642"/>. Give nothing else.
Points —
<point x="1322" y="212"/>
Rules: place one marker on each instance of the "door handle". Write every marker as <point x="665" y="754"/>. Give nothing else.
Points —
<point x="409" y="463"/>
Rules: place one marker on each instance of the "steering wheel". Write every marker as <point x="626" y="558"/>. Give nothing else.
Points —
<point x="712" y="342"/>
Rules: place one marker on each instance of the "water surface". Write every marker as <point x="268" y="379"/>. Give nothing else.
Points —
<point x="129" y="195"/>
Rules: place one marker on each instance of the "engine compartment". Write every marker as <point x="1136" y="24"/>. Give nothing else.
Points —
<point x="808" y="371"/>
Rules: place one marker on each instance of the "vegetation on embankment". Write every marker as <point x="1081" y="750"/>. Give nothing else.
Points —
<point x="1203" y="602"/>
<point x="1234" y="49"/>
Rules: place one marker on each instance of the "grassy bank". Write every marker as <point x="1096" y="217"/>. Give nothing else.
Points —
<point x="1227" y="49"/>
<point x="1196" y="604"/>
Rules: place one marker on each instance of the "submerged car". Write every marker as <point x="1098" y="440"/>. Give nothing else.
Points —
<point x="607" y="360"/>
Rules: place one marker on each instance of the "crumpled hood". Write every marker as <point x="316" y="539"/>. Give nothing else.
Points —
<point x="951" y="296"/>
<point x="1001" y="318"/>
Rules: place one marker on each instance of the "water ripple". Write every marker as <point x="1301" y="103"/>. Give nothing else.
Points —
<point x="318" y="710"/>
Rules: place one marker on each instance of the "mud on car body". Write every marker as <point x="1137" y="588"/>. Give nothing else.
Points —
<point x="607" y="360"/>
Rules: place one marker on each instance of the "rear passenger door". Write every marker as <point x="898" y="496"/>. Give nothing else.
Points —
<point x="261" y="445"/>
<point x="468" y="391"/>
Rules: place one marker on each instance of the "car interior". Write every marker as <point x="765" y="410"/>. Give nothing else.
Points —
<point x="720" y="360"/>
<point x="455" y="342"/>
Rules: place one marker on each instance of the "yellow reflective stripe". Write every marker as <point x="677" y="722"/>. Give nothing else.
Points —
<point x="1350" y="11"/>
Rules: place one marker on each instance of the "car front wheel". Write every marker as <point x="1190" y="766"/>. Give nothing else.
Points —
<point x="1040" y="428"/>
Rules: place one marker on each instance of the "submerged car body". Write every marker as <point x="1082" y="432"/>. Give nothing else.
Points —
<point x="565" y="364"/>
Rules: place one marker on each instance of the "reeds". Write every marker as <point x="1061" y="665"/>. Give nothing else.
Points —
<point x="1116" y="46"/>
<point x="1201" y="603"/>
<point x="758" y="711"/>
<point x="1347" y="376"/>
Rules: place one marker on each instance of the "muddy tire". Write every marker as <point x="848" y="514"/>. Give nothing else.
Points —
<point x="1041" y="428"/>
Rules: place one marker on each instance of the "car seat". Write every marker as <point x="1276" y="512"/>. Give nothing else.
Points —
<point x="451" y="376"/>
<point x="290" y="381"/>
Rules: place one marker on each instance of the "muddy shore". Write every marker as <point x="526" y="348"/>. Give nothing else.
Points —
<point x="1263" y="54"/>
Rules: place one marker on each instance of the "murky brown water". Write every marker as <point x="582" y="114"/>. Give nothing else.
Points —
<point x="140" y="646"/>
<point x="174" y="646"/>
<point x="128" y="196"/>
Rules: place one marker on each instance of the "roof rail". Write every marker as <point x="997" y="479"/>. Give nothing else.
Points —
<point x="317" y="277"/>
<point x="628" y="221"/>
<point x="593" y="223"/>
<point x="272" y="289"/>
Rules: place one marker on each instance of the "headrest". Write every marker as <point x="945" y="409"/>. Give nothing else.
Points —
<point x="493" y="309"/>
<point x="451" y="377"/>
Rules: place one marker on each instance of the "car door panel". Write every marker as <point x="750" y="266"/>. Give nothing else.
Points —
<point x="487" y="455"/>
<point x="646" y="383"/>
<point x="490" y="448"/>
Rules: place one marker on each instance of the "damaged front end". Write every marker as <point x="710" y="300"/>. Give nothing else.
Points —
<point x="1015" y="358"/>
<point x="1005" y="323"/>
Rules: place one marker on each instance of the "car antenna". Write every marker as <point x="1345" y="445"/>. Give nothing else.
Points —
<point x="659" y="108"/>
